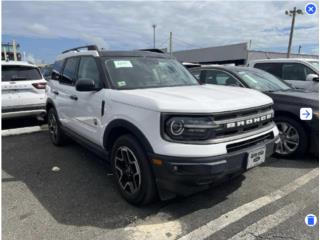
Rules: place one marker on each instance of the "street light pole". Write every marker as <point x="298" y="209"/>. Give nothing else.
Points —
<point x="154" y="35"/>
<point x="292" y="13"/>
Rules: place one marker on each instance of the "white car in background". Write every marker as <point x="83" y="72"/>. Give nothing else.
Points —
<point x="299" y="72"/>
<point x="23" y="90"/>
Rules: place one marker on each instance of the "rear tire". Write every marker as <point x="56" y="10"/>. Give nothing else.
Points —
<point x="57" y="135"/>
<point x="293" y="138"/>
<point x="132" y="171"/>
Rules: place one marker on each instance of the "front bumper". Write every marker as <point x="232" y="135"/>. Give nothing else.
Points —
<point x="23" y="111"/>
<point x="184" y="176"/>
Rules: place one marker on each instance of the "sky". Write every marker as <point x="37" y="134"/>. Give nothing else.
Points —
<point x="44" y="29"/>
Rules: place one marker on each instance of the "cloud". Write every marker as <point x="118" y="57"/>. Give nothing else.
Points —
<point x="39" y="29"/>
<point x="128" y="25"/>
<point x="32" y="59"/>
<point x="99" y="41"/>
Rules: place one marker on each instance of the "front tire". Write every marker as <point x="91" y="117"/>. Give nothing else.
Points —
<point x="293" y="138"/>
<point x="132" y="171"/>
<point x="57" y="135"/>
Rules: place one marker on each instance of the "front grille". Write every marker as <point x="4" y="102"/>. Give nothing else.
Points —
<point x="248" y="143"/>
<point x="224" y="120"/>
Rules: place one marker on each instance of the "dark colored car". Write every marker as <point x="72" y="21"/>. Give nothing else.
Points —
<point x="297" y="136"/>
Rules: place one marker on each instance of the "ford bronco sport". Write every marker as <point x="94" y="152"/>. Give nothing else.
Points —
<point x="162" y="131"/>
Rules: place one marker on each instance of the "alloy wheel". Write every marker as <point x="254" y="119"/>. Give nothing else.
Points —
<point x="289" y="139"/>
<point x="127" y="170"/>
<point x="53" y="125"/>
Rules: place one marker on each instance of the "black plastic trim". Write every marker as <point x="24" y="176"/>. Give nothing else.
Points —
<point x="121" y="123"/>
<point x="86" y="143"/>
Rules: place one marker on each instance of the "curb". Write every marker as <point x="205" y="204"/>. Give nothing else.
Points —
<point x="24" y="130"/>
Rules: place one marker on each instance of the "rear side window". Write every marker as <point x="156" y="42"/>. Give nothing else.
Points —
<point x="20" y="73"/>
<point x="273" y="68"/>
<point x="69" y="71"/>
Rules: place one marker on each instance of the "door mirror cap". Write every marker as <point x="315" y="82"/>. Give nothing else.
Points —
<point x="85" y="85"/>
<point x="313" y="77"/>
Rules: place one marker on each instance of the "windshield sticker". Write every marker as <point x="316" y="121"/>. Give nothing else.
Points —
<point x="122" y="64"/>
<point x="122" y="84"/>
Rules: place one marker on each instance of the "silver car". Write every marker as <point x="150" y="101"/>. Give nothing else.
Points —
<point x="298" y="72"/>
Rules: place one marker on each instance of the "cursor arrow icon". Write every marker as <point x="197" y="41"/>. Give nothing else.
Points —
<point x="306" y="114"/>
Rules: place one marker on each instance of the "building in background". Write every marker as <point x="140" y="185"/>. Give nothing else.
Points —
<point x="10" y="51"/>
<point x="238" y="54"/>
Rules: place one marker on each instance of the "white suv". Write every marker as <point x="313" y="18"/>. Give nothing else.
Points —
<point x="159" y="128"/>
<point x="23" y="90"/>
<point x="299" y="72"/>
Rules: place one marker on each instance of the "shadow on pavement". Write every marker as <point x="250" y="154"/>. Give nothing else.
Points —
<point x="306" y="162"/>
<point x="21" y="122"/>
<point x="82" y="192"/>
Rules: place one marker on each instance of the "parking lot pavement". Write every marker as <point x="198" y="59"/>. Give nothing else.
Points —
<point x="13" y="123"/>
<point x="79" y="200"/>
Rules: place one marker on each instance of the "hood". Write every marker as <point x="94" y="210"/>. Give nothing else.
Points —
<point x="192" y="99"/>
<point x="296" y="97"/>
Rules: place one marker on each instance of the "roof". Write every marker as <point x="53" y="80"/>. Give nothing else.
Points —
<point x="141" y="53"/>
<point x="17" y="63"/>
<point x="135" y="53"/>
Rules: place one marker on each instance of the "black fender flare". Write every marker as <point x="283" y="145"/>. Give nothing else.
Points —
<point x="130" y="128"/>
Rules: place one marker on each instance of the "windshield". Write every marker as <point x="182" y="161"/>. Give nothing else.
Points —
<point x="314" y="63"/>
<point x="262" y="81"/>
<point x="19" y="73"/>
<point x="141" y="72"/>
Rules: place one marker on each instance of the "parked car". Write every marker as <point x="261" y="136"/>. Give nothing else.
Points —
<point x="46" y="71"/>
<point x="297" y="136"/>
<point x="160" y="129"/>
<point x="23" y="90"/>
<point x="299" y="72"/>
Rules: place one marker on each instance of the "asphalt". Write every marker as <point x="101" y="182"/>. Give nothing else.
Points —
<point x="51" y="192"/>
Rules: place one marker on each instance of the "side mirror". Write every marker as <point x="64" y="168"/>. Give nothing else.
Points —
<point x="313" y="77"/>
<point x="85" y="85"/>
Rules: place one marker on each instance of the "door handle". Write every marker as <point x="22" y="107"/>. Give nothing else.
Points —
<point x="55" y="92"/>
<point x="102" y="107"/>
<point x="74" y="97"/>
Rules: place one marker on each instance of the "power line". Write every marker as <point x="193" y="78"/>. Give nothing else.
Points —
<point x="186" y="43"/>
<point x="163" y="43"/>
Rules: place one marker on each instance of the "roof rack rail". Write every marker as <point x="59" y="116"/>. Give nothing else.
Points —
<point x="87" y="47"/>
<point x="152" y="50"/>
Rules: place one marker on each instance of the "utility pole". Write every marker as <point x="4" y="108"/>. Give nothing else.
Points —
<point x="5" y="53"/>
<point x="299" y="49"/>
<point x="170" y="43"/>
<point x="292" y="13"/>
<point x="14" y="46"/>
<point x="154" y="35"/>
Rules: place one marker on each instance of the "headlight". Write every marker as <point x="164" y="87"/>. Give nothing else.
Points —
<point x="188" y="128"/>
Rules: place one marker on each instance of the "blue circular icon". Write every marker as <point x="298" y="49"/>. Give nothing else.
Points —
<point x="310" y="220"/>
<point x="311" y="8"/>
